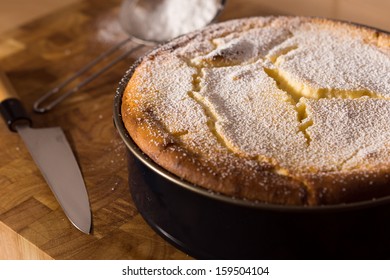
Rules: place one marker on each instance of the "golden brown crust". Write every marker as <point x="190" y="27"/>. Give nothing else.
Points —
<point x="164" y="149"/>
<point x="242" y="176"/>
<point x="343" y="187"/>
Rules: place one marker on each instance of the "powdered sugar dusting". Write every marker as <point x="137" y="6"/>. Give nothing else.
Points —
<point x="350" y="63"/>
<point x="235" y="48"/>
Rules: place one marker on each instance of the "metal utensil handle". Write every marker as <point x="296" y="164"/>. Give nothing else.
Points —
<point x="38" y="103"/>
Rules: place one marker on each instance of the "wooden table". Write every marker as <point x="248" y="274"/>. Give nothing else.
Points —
<point x="36" y="56"/>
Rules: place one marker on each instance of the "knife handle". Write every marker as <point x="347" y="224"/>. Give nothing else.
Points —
<point x="11" y="108"/>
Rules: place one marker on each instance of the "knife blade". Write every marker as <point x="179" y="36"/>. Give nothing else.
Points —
<point x="52" y="154"/>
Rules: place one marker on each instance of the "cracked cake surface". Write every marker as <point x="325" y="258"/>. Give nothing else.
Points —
<point x="283" y="110"/>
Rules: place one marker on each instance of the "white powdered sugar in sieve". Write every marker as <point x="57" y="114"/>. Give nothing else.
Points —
<point x="161" y="20"/>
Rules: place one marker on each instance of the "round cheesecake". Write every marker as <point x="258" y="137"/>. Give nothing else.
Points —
<point x="281" y="110"/>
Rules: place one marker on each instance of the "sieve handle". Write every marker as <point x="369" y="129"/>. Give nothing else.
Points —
<point x="39" y="107"/>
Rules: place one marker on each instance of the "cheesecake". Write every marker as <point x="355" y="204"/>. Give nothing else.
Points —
<point x="279" y="110"/>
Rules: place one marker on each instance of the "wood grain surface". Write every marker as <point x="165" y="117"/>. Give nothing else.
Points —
<point x="17" y="12"/>
<point x="35" y="57"/>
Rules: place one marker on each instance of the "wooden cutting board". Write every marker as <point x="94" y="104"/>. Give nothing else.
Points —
<point x="32" y="225"/>
<point x="36" y="57"/>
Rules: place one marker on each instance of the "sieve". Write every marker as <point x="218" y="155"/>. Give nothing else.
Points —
<point x="148" y="23"/>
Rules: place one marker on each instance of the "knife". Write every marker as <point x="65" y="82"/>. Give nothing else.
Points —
<point x="53" y="156"/>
